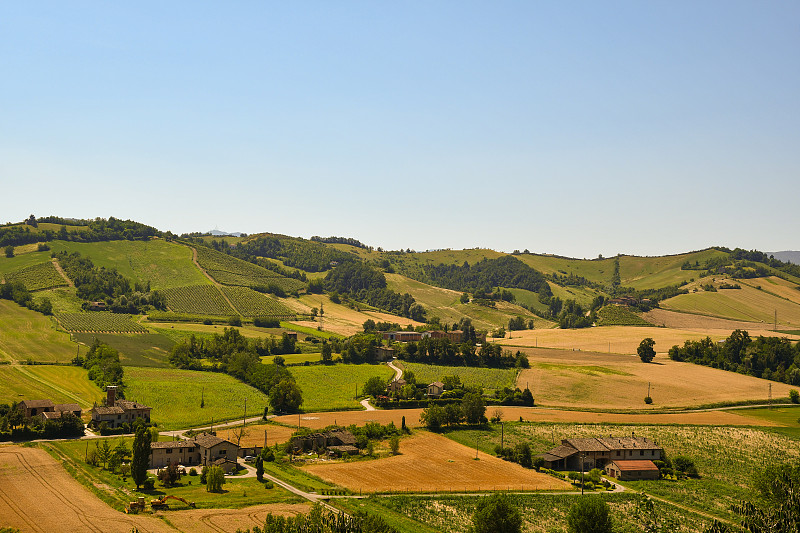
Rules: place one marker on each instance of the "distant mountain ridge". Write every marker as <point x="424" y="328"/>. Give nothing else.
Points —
<point x="788" y="256"/>
<point x="218" y="233"/>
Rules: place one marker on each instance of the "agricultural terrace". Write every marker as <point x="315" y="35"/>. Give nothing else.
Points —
<point x="334" y="387"/>
<point x="251" y="303"/>
<point x="99" y="322"/>
<point x="150" y="349"/>
<point x="230" y="270"/>
<point x="739" y="417"/>
<point x="28" y="335"/>
<point x="339" y="318"/>
<point x="597" y="380"/>
<point x="164" y="264"/>
<point x="37" y="277"/>
<point x="726" y="457"/>
<point x="198" y="300"/>
<point x="541" y="513"/>
<point x="748" y="304"/>
<point x="617" y="315"/>
<point x="237" y="493"/>
<point x="429" y="462"/>
<point x="488" y="378"/>
<point x="446" y="304"/>
<point x="62" y="384"/>
<point x="175" y="396"/>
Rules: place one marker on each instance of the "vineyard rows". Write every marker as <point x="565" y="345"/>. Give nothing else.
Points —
<point x="99" y="322"/>
<point x="37" y="277"/>
<point x="197" y="300"/>
<point x="232" y="271"/>
<point x="251" y="303"/>
<point x="615" y="315"/>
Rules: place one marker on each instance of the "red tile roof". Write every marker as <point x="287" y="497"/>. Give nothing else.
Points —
<point x="635" y="466"/>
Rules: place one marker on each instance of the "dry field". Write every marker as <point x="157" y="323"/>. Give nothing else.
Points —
<point x="37" y="494"/>
<point x="601" y="380"/>
<point x="230" y="520"/>
<point x="339" y="318"/>
<point x="430" y="462"/>
<point x="530" y="414"/>
<point x="254" y="434"/>
<point x="775" y="285"/>
<point x="686" y="321"/>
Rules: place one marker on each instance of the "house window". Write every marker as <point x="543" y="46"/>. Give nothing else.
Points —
<point x="169" y="450"/>
<point x="223" y="451"/>
<point x="641" y="452"/>
<point x="618" y="453"/>
<point x="119" y="417"/>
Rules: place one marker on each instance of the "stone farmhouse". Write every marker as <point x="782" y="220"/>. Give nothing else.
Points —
<point x="201" y="450"/>
<point x="47" y="409"/>
<point x="335" y="442"/>
<point x="435" y="389"/>
<point x="622" y="457"/>
<point x="118" y="412"/>
<point x="395" y="386"/>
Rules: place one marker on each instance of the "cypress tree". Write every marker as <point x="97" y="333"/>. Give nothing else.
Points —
<point x="141" y="455"/>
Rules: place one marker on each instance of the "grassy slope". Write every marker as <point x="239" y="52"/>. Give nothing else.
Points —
<point x="489" y="378"/>
<point x="25" y="334"/>
<point x="8" y="264"/>
<point x="134" y="350"/>
<point x="654" y="272"/>
<point x="62" y="384"/>
<point x="334" y="387"/>
<point x="163" y="263"/>
<point x="175" y="395"/>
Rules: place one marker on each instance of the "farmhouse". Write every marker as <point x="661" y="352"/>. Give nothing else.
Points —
<point x="395" y="386"/>
<point x="337" y="441"/>
<point x="585" y="454"/>
<point x="47" y="409"/>
<point x="118" y="412"/>
<point x="384" y="353"/>
<point x="402" y="336"/>
<point x="435" y="389"/>
<point x="632" y="470"/>
<point x="203" y="449"/>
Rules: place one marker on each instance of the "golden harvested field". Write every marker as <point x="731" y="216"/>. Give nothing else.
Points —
<point x="37" y="494"/>
<point x="430" y="462"/>
<point x="601" y="380"/>
<point x="700" y="323"/>
<point x="775" y="285"/>
<point x="230" y="520"/>
<point x="614" y="339"/>
<point x="531" y="414"/>
<point x="339" y="318"/>
<point x="254" y="434"/>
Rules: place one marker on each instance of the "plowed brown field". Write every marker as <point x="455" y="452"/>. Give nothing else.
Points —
<point x="429" y="462"/>
<point x="37" y="494"/>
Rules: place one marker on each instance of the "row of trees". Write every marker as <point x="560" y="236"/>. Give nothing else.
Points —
<point x="774" y="358"/>
<point x="17" y="292"/>
<point x="102" y="362"/>
<point x="95" y="230"/>
<point x="471" y="410"/>
<point x="444" y="352"/>
<point x="485" y="275"/>
<point x="15" y="426"/>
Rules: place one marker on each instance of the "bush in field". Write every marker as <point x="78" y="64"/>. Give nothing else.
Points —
<point x="497" y="514"/>
<point x="394" y="444"/>
<point x="648" y="400"/>
<point x="375" y="386"/>
<point x="646" y="351"/>
<point x="215" y="479"/>
<point x="794" y="396"/>
<point x="589" y="515"/>
<point x="685" y="465"/>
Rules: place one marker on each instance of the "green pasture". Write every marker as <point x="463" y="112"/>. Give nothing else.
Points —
<point x="62" y="384"/>
<point x="28" y="335"/>
<point x="164" y="264"/>
<point x="175" y="396"/>
<point x="149" y="349"/>
<point x="63" y="299"/>
<point x="656" y="272"/>
<point x="596" y="270"/>
<point x="488" y="378"/>
<point x="111" y="488"/>
<point x="333" y="387"/>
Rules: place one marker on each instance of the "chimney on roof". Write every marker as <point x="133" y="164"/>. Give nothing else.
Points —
<point x="111" y="395"/>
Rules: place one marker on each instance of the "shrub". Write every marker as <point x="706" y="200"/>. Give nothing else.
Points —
<point x="589" y="515"/>
<point x="648" y="400"/>
<point x="794" y="396"/>
<point x="208" y="321"/>
<point x="192" y="471"/>
<point x="497" y="514"/>
<point x="204" y="475"/>
<point x="394" y="444"/>
<point x="149" y="483"/>
<point x="235" y="321"/>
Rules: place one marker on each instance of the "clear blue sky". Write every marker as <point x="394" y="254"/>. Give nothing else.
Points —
<point x="575" y="128"/>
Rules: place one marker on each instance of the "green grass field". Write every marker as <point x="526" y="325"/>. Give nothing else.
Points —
<point x="63" y="299"/>
<point x="37" y="277"/>
<point x="333" y="387"/>
<point x="726" y="457"/>
<point x="150" y="349"/>
<point x="175" y="395"/>
<point x="488" y="378"/>
<point x="62" y="384"/>
<point x="117" y="493"/>
<point x="615" y="315"/>
<point x="8" y="264"/>
<point x="99" y="322"/>
<point x="198" y="300"/>
<point x="164" y="264"/>
<point x="25" y="334"/>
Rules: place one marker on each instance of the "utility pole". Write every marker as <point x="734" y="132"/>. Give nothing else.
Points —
<point x="648" y="389"/>
<point x="501" y="435"/>
<point x="244" y="420"/>
<point x="583" y="456"/>
<point x="776" y="321"/>
<point x="265" y="437"/>
<point x="476" y="446"/>
<point x="770" y="395"/>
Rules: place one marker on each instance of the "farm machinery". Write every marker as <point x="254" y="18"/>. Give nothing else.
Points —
<point x="135" y="507"/>
<point x="161" y="503"/>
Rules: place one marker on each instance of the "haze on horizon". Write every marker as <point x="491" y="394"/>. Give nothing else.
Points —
<point x="572" y="128"/>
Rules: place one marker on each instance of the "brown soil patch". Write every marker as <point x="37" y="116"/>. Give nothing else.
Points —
<point x="429" y="463"/>
<point x="254" y="435"/>
<point x="217" y="520"/>
<point x="601" y="380"/>
<point x="37" y="494"/>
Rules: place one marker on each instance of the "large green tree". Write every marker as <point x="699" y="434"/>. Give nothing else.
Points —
<point x="646" y="351"/>
<point x="497" y="514"/>
<point x="589" y="514"/>
<point x="141" y="455"/>
<point x="285" y="397"/>
<point x="474" y="408"/>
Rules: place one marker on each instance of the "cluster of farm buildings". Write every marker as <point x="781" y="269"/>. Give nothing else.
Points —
<point x="624" y="458"/>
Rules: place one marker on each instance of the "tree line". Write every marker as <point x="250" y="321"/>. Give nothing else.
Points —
<point x="444" y="352"/>
<point x="773" y="358"/>
<point x="485" y="275"/>
<point x="367" y="284"/>
<point x="98" y="229"/>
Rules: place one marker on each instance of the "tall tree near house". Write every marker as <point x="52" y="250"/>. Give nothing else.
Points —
<point x="141" y="455"/>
